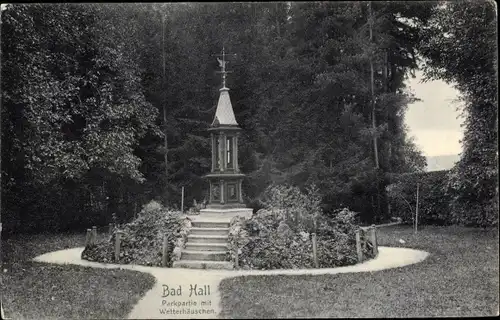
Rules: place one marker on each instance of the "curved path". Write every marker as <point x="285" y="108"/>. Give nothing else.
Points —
<point x="199" y="296"/>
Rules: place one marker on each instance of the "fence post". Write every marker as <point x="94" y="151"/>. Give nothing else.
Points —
<point x="315" y="250"/>
<point x="164" y="254"/>
<point x="416" y="210"/>
<point x="236" y="258"/>
<point x="117" y="245"/>
<point x="88" y="238"/>
<point x="358" y="246"/>
<point x="373" y="236"/>
<point x="182" y="201"/>
<point x="94" y="235"/>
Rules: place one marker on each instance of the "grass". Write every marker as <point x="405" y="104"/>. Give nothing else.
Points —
<point x="459" y="278"/>
<point x="33" y="290"/>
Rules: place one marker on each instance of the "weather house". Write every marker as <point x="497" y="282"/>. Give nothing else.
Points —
<point x="225" y="178"/>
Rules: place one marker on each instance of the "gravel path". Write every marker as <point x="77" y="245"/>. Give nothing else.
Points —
<point x="189" y="293"/>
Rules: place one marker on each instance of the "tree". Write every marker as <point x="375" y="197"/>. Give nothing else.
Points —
<point x="72" y="103"/>
<point x="460" y="48"/>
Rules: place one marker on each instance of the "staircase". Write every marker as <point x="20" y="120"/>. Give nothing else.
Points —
<point x="206" y="247"/>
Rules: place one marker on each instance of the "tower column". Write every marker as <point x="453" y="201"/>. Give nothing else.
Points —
<point x="240" y="193"/>
<point x="212" y="139"/>
<point x="221" y="152"/>
<point x="223" y="149"/>
<point x="235" y="153"/>
<point x="210" y="193"/>
<point x="222" y="191"/>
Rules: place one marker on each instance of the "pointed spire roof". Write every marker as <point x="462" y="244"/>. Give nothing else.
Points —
<point x="224" y="115"/>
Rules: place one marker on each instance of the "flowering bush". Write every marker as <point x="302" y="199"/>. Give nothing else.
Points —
<point x="238" y="237"/>
<point x="299" y="210"/>
<point x="196" y="208"/>
<point x="142" y="238"/>
<point x="180" y="243"/>
<point x="279" y="237"/>
<point x="337" y="239"/>
<point x="277" y="251"/>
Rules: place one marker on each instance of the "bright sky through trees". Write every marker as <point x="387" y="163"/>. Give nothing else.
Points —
<point x="434" y="121"/>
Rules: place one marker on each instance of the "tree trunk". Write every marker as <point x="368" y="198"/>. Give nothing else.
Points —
<point x="164" y="101"/>
<point x="372" y="86"/>
<point x="373" y="114"/>
<point x="278" y="29"/>
<point x="387" y="117"/>
<point x="388" y="155"/>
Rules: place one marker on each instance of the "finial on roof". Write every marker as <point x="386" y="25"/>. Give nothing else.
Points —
<point x="224" y="115"/>
<point x="222" y="65"/>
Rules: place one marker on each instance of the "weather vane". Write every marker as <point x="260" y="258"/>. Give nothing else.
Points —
<point x="222" y="65"/>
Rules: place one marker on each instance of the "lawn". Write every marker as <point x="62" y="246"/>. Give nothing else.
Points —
<point x="33" y="290"/>
<point x="459" y="278"/>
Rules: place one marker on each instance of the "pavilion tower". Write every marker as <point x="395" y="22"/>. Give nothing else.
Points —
<point x="225" y="178"/>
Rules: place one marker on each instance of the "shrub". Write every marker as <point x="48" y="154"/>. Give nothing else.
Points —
<point x="473" y="193"/>
<point x="271" y="244"/>
<point x="275" y="238"/>
<point x="182" y="236"/>
<point x="238" y="236"/>
<point x="299" y="210"/>
<point x="434" y="199"/>
<point x="337" y="239"/>
<point x="142" y="238"/>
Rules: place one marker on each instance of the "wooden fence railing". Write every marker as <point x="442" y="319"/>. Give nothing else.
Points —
<point x="366" y="239"/>
<point x="92" y="239"/>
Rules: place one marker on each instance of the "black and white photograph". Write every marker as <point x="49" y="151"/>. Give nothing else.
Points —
<point x="249" y="160"/>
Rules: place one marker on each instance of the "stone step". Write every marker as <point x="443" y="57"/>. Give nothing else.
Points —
<point x="198" y="264"/>
<point x="203" y="255"/>
<point x="194" y="238"/>
<point x="210" y="231"/>
<point x="209" y="224"/>
<point x="218" y="247"/>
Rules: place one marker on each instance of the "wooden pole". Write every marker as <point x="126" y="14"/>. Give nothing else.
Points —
<point x="358" y="246"/>
<point x="315" y="250"/>
<point x="236" y="258"/>
<point x="373" y="235"/>
<point x="94" y="235"/>
<point x="416" y="210"/>
<point x="117" y="246"/>
<point x="164" y="254"/>
<point x="88" y="238"/>
<point x="182" y="200"/>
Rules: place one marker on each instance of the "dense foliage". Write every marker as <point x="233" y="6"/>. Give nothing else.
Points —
<point x="460" y="45"/>
<point x="433" y="198"/>
<point x="73" y="113"/>
<point x="105" y="106"/>
<point x="141" y="239"/>
<point x="279" y="238"/>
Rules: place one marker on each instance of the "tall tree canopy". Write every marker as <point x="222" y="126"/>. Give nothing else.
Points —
<point x="460" y="46"/>
<point x="105" y="105"/>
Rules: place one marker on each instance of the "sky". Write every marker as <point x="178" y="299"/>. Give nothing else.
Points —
<point x="434" y="122"/>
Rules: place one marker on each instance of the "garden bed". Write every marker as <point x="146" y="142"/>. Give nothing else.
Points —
<point x="293" y="233"/>
<point x="154" y="238"/>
